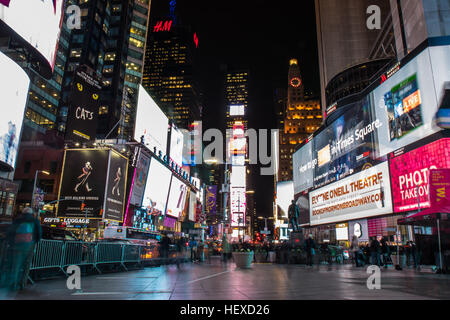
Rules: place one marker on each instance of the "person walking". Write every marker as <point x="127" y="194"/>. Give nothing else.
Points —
<point x="386" y="252"/>
<point x="355" y="250"/>
<point x="375" y="251"/>
<point x="310" y="247"/>
<point x="226" y="249"/>
<point x="22" y="237"/>
<point x="193" y="248"/>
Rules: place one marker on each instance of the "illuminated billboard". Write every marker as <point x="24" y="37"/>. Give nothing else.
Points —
<point x="115" y="187"/>
<point x="177" y="198"/>
<point x="410" y="174"/>
<point x="364" y="194"/>
<point x="140" y="178"/>
<point x="14" y="84"/>
<point x="237" y="110"/>
<point x="38" y="23"/>
<point x="285" y="195"/>
<point x="157" y="187"/>
<point x="238" y="174"/>
<point x="176" y="146"/>
<point x="151" y="123"/>
<point x="192" y="205"/>
<point x="238" y="206"/>
<point x="407" y="102"/>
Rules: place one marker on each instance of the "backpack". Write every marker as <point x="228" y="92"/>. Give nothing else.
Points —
<point x="24" y="233"/>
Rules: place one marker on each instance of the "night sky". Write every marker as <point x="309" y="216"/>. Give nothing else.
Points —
<point x="260" y="35"/>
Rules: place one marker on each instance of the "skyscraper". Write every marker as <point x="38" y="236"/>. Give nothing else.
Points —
<point x="302" y="117"/>
<point x="236" y="96"/>
<point x="345" y="45"/>
<point x="169" y="70"/>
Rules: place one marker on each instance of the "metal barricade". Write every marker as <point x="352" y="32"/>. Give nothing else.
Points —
<point x="48" y="254"/>
<point x="131" y="253"/>
<point x="79" y="253"/>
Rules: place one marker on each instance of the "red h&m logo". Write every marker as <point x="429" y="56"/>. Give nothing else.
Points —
<point x="162" y="27"/>
<point x="196" y="40"/>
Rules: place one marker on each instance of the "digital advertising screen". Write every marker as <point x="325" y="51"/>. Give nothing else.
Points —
<point x="192" y="205"/>
<point x="83" y="180"/>
<point x="407" y="102"/>
<point x="410" y="174"/>
<point x="364" y="194"/>
<point x="177" y="198"/>
<point x="151" y="122"/>
<point x="238" y="206"/>
<point x="45" y="18"/>
<point x="176" y="146"/>
<point x="237" y="110"/>
<point x="14" y="85"/>
<point x="238" y="176"/>
<point x="285" y="195"/>
<point x="345" y="146"/>
<point x="359" y="228"/>
<point x="140" y="178"/>
<point x="83" y="112"/>
<point x="115" y="187"/>
<point x="211" y="200"/>
<point x="157" y="187"/>
<point x="303" y="168"/>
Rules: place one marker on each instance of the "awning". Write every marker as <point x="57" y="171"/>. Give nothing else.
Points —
<point x="428" y="216"/>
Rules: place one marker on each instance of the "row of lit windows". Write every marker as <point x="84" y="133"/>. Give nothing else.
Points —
<point x="39" y="119"/>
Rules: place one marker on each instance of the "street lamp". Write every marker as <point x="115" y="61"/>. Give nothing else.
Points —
<point x="34" y="205"/>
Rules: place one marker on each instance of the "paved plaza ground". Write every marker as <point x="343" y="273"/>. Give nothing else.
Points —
<point x="264" y="281"/>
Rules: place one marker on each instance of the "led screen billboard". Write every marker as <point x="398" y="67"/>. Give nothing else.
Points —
<point x="303" y="168"/>
<point x="192" y="205"/>
<point x="238" y="174"/>
<point x="116" y="184"/>
<point x="176" y="146"/>
<point x="237" y="110"/>
<point x="211" y="200"/>
<point x="151" y="123"/>
<point x="177" y="198"/>
<point x="364" y="194"/>
<point x="238" y="206"/>
<point x="83" y="180"/>
<point x="83" y="112"/>
<point x="14" y="84"/>
<point x="157" y="187"/>
<point x="38" y="23"/>
<point x="285" y="195"/>
<point x="407" y="102"/>
<point x="140" y="178"/>
<point x="410" y="174"/>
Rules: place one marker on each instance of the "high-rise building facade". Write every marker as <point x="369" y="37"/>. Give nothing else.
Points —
<point x="236" y="96"/>
<point x="303" y="116"/>
<point x="169" y="70"/>
<point x="345" y="44"/>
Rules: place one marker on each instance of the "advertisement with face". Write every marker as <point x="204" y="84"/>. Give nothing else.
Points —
<point x="151" y="123"/>
<point x="176" y="146"/>
<point x="407" y="102"/>
<point x="157" y="187"/>
<point x="45" y="17"/>
<point x="177" y="198"/>
<point x="83" y="112"/>
<point x="303" y="168"/>
<point x="364" y="194"/>
<point x="285" y="195"/>
<point x="346" y="145"/>
<point x="140" y="178"/>
<point x="359" y="228"/>
<point x="410" y="174"/>
<point x="83" y="180"/>
<point x="14" y="84"/>
<point x="115" y="187"/>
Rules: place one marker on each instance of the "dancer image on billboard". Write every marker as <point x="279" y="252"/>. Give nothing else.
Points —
<point x="9" y="144"/>
<point x="117" y="182"/>
<point x="87" y="170"/>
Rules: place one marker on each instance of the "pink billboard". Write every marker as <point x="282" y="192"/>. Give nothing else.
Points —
<point x="410" y="174"/>
<point x="439" y="185"/>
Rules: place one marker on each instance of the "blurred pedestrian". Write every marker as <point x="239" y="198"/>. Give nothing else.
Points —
<point x="354" y="247"/>
<point x="226" y="249"/>
<point x="310" y="247"/>
<point x="375" y="251"/>
<point x="193" y="248"/>
<point x="385" y="252"/>
<point x="22" y="236"/>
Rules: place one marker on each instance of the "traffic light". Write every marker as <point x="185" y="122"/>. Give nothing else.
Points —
<point x="82" y="206"/>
